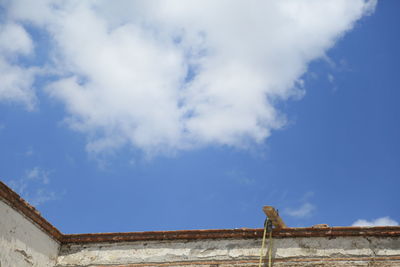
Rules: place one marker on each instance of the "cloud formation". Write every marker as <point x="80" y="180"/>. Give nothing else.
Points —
<point x="303" y="211"/>
<point x="174" y="75"/>
<point x="383" y="221"/>
<point x="34" y="186"/>
<point x="15" y="80"/>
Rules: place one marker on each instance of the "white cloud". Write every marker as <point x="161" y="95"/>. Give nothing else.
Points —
<point x="383" y="221"/>
<point x="34" y="186"/>
<point x="38" y="174"/>
<point x="331" y="78"/>
<point x="15" y="81"/>
<point x="240" y="177"/>
<point x="172" y="75"/>
<point x="14" y="39"/>
<point x="29" y="152"/>
<point x="304" y="210"/>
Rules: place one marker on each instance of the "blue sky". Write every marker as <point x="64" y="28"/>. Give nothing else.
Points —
<point x="142" y="117"/>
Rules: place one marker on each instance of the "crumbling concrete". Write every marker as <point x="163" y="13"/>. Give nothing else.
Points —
<point x="230" y="252"/>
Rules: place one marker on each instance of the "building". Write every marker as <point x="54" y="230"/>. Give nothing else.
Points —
<point x="27" y="239"/>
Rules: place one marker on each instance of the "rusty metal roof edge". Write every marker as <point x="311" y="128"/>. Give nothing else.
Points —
<point x="329" y="232"/>
<point x="19" y="204"/>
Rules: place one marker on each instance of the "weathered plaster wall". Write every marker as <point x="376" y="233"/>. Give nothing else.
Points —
<point x="22" y="243"/>
<point x="310" y="251"/>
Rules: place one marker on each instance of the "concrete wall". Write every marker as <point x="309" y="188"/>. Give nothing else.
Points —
<point x="310" y="251"/>
<point x="22" y="243"/>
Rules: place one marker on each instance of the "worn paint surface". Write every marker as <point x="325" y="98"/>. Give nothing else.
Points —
<point x="22" y="243"/>
<point x="311" y="251"/>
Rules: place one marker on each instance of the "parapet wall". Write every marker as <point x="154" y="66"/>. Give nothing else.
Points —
<point x="22" y="243"/>
<point x="27" y="239"/>
<point x="287" y="251"/>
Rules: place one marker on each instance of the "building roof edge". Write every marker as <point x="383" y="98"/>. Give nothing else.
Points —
<point x="23" y="207"/>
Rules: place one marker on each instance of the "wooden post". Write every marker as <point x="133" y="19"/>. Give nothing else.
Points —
<point x="273" y="215"/>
